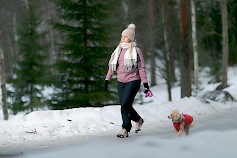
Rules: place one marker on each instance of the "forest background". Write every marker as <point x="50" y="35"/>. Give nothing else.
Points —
<point x="55" y="53"/>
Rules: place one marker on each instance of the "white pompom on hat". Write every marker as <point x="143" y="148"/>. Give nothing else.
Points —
<point x="129" y="31"/>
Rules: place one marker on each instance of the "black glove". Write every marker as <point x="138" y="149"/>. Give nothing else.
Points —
<point x="106" y="85"/>
<point x="146" y="86"/>
<point x="147" y="90"/>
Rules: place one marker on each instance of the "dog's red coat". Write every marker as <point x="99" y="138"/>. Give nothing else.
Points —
<point x="185" y="118"/>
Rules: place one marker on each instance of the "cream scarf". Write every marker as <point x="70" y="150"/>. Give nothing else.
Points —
<point x="130" y="58"/>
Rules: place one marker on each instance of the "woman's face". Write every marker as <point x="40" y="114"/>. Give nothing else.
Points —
<point x="125" y="39"/>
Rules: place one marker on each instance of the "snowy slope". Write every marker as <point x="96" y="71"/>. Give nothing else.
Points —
<point x="43" y="129"/>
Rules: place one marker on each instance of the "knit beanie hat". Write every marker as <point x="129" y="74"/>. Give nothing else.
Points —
<point x="129" y="32"/>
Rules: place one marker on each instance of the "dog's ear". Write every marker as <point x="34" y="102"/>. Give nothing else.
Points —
<point x="175" y="114"/>
<point x="171" y="116"/>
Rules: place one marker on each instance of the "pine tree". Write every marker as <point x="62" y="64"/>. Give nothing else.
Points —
<point x="30" y="67"/>
<point x="82" y="62"/>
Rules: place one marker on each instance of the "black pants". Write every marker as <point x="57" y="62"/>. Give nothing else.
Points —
<point x="127" y="93"/>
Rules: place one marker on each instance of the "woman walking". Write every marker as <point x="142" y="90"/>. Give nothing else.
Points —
<point x="127" y="61"/>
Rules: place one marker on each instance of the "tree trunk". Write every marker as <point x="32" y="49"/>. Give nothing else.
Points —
<point x="185" y="56"/>
<point x="3" y="79"/>
<point x="26" y="4"/>
<point x="195" y="45"/>
<point x="151" y="48"/>
<point x="167" y="50"/>
<point x="51" y="35"/>
<point x="225" y="42"/>
<point x="3" y="86"/>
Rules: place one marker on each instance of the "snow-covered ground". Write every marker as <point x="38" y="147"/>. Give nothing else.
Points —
<point x="91" y="132"/>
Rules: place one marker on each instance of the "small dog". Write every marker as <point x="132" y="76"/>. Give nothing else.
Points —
<point x="181" y="122"/>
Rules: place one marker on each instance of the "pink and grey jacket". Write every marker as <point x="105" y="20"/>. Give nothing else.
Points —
<point x="137" y="73"/>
